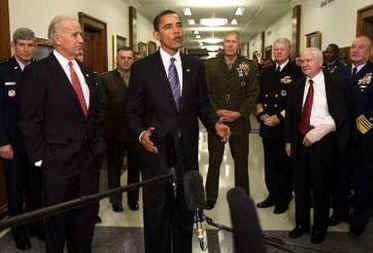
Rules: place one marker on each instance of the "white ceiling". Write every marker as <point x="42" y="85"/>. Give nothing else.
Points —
<point x="258" y="15"/>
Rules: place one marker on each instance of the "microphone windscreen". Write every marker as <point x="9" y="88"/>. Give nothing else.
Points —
<point x="247" y="232"/>
<point x="193" y="190"/>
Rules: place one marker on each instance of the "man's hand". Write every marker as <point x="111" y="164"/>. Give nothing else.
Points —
<point x="6" y="152"/>
<point x="222" y="131"/>
<point x="264" y="117"/>
<point x="288" y="149"/>
<point x="227" y="115"/>
<point x="271" y="121"/>
<point x="146" y="141"/>
<point x="306" y="141"/>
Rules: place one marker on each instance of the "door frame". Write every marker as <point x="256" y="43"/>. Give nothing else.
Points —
<point x="96" y="24"/>
<point x="5" y="51"/>
<point x="362" y="14"/>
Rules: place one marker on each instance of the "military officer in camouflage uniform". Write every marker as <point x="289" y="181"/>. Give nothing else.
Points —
<point x="332" y="64"/>
<point x="274" y="84"/>
<point x="115" y="85"/>
<point x="233" y="89"/>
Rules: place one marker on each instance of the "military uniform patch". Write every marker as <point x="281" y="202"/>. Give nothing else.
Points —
<point x="11" y="93"/>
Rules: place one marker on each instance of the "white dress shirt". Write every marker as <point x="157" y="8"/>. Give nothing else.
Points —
<point x="321" y="120"/>
<point x="358" y="68"/>
<point x="282" y="66"/>
<point x="65" y="65"/>
<point x="166" y="59"/>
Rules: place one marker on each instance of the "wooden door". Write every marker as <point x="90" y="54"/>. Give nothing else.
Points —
<point x="4" y="31"/>
<point x="95" y="36"/>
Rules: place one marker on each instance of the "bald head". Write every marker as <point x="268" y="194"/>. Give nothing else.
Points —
<point x="361" y="50"/>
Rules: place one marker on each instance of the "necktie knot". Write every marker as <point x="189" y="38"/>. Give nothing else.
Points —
<point x="172" y="60"/>
<point x="310" y="82"/>
<point x="278" y="69"/>
<point x="70" y="64"/>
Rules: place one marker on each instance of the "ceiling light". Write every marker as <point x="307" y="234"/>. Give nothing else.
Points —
<point x="212" y="48"/>
<point x="198" y="36"/>
<point x="239" y="11"/>
<point x="196" y="32"/>
<point x="213" y="21"/>
<point x="234" y="22"/>
<point x="212" y="41"/>
<point x="191" y="21"/>
<point x="187" y="12"/>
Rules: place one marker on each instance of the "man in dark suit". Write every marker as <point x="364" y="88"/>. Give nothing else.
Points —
<point x="167" y="94"/>
<point x="361" y="89"/>
<point x="232" y="82"/>
<point x="60" y="117"/>
<point x="275" y="83"/>
<point x="114" y="86"/>
<point x="12" y="148"/>
<point x="316" y="128"/>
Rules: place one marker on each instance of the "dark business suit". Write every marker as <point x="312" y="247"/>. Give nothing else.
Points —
<point x="313" y="166"/>
<point x="117" y="136"/>
<point x="150" y="103"/>
<point x="69" y="144"/>
<point x="18" y="169"/>
<point x="274" y="87"/>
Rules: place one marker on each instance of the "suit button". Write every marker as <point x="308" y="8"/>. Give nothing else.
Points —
<point x="266" y="95"/>
<point x="265" y="105"/>
<point x="275" y="105"/>
<point x="276" y="95"/>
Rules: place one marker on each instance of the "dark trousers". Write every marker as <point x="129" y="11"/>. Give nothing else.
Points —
<point x="76" y="227"/>
<point x="167" y="222"/>
<point x="239" y="144"/>
<point x="278" y="172"/>
<point x="363" y="182"/>
<point x="18" y="186"/>
<point x="116" y="151"/>
<point x="313" y="169"/>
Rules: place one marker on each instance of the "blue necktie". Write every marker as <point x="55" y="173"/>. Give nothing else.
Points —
<point x="173" y="78"/>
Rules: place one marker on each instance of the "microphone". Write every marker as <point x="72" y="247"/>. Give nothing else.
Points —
<point x="247" y="232"/>
<point x="195" y="202"/>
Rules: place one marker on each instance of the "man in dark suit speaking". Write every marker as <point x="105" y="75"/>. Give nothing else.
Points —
<point x="61" y="121"/>
<point x="167" y="94"/>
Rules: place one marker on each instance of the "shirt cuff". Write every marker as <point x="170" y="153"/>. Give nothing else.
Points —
<point x="141" y="134"/>
<point x="38" y="163"/>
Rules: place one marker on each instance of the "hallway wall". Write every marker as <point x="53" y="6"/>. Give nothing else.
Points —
<point x="37" y="14"/>
<point x="336" y="22"/>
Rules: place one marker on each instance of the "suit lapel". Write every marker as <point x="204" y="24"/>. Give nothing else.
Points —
<point x="61" y="78"/>
<point x="91" y="85"/>
<point x="163" y="80"/>
<point x="187" y="68"/>
<point x="300" y="95"/>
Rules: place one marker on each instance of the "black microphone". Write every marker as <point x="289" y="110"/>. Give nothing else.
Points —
<point x="247" y="232"/>
<point x="195" y="202"/>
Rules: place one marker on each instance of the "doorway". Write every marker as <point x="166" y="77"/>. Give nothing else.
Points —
<point x="365" y="22"/>
<point x="95" y="37"/>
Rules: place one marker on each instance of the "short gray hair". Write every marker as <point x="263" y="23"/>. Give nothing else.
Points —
<point x="317" y="54"/>
<point x="284" y="41"/>
<point x="23" y="33"/>
<point x="54" y="25"/>
<point x="237" y="34"/>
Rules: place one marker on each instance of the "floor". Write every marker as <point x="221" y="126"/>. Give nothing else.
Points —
<point x="129" y="222"/>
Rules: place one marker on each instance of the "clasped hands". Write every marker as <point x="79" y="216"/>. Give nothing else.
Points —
<point x="270" y="120"/>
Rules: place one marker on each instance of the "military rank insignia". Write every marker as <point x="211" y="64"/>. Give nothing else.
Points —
<point x="364" y="82"/>
<point x="363" y="124"/>
<point x="286" y="80"/>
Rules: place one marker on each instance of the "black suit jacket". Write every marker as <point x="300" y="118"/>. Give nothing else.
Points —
<point x="150" y="103"/>
<point x="336" y="99"/>
<point x="10" y="75"/>
<point x="51" y="118"/>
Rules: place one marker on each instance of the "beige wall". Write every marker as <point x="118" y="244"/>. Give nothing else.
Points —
<point x="37" y="14"/>
<point x="336" y="22"/>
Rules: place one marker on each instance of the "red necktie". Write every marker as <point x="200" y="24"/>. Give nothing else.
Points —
<point x="78" y="89"/>
<point x="304" y="123"/>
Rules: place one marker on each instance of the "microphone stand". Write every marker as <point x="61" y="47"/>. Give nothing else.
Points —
<point x="271" y="241"/>
<point x="75" y="203"/>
